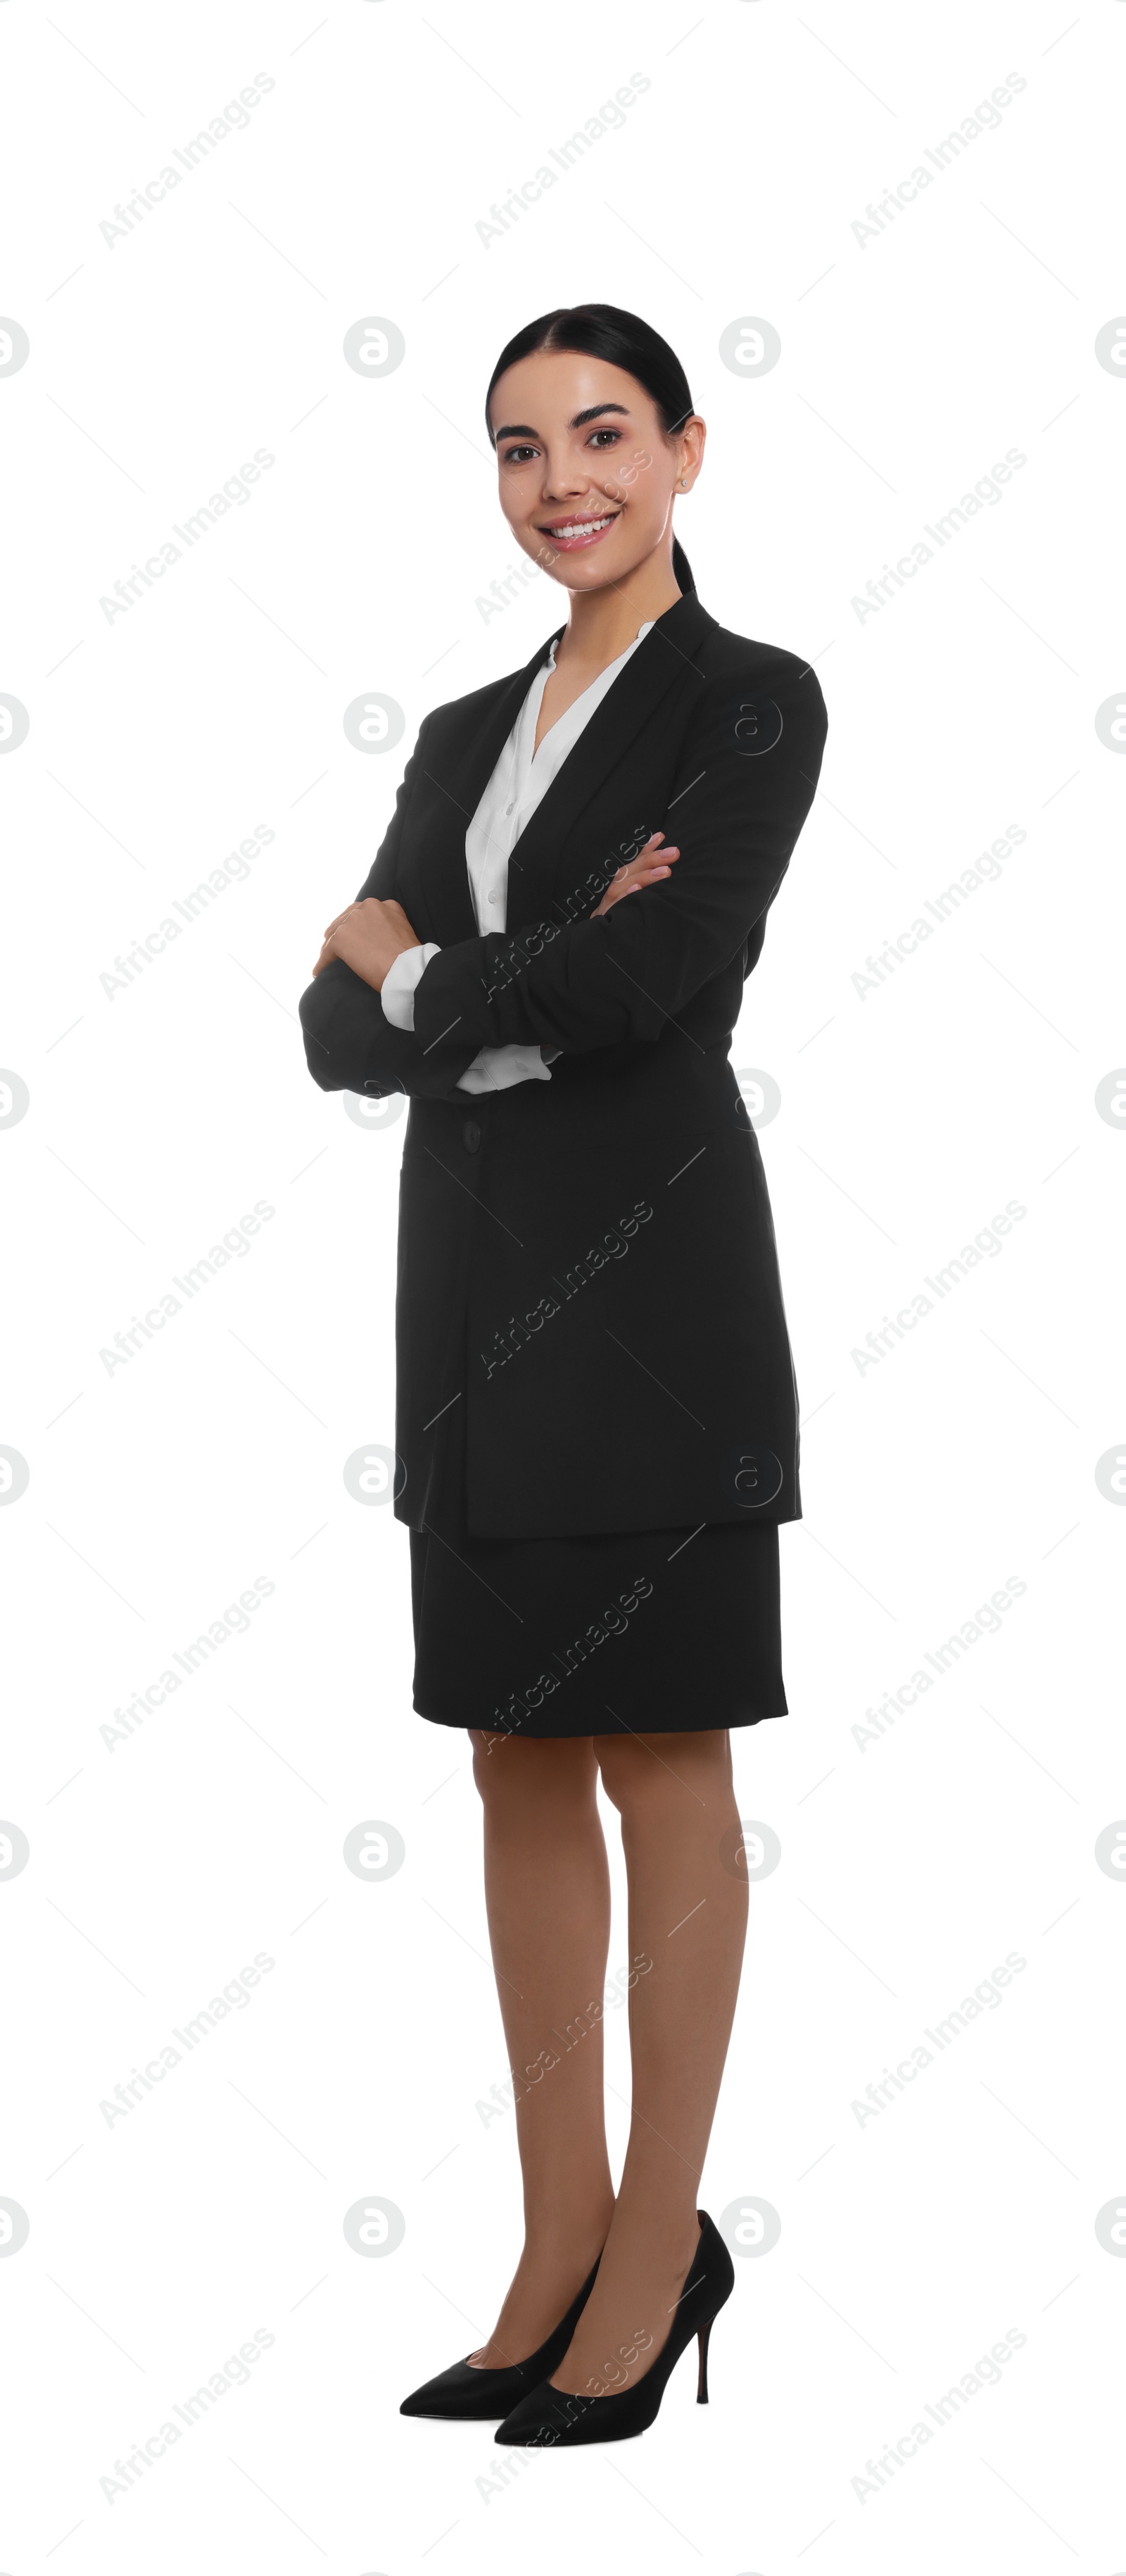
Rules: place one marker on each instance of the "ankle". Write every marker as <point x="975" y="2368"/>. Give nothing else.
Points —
<point x="663" y="2236"/>
<point x="556" y="2238"/>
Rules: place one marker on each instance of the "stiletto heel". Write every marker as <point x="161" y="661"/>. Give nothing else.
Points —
<point x="463" y="2394"/>
<point x="549" y="2417"/>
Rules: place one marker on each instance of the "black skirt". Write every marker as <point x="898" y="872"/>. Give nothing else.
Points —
<point x="643" y="1632"/>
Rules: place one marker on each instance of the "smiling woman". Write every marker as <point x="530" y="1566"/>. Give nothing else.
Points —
<point x="575" y="1428"/>
<point x="627" y="451"/>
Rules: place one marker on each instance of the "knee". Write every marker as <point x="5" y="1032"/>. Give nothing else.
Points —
<point x="495" y="1773"/>
<point x="513" y="1772"/>
<point x="483" y="1744"/>
<point x="633" y="1781"/>
<point x="666" y="1776"/>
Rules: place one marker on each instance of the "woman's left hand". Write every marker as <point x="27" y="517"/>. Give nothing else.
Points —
<point x="650" y="865"/>
<point x="368" y="937"/>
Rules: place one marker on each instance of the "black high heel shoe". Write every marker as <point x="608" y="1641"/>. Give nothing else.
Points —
<point x="550" y="2418"/>
<point x="466" y="2395"/>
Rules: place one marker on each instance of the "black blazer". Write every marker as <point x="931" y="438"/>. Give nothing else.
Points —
<point x="590" y="1328"/>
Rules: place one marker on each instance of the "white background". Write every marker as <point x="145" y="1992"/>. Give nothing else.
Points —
<point x="912" y="1863"/>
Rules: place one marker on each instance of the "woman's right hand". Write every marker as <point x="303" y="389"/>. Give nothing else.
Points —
<point x="368" y="937"/>
<point x="650" y="865"/>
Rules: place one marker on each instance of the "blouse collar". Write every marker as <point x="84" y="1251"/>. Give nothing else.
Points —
<point x="628" y="648"/>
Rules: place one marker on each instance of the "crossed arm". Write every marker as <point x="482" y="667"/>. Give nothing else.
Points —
<point x="620" y="976"/>
<point x="369" y="935"/>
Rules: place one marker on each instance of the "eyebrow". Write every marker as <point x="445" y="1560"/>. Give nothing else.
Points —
<point x="520" y="428"/>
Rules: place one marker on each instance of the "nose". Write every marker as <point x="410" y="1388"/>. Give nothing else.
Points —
<point x="563" y="478"/>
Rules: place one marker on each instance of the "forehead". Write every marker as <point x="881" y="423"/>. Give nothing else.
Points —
<point x="546" y="389"/>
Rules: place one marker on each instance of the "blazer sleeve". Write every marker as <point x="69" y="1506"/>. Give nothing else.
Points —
<point x="349" y="1044"/>
<point x="737" y="804"/>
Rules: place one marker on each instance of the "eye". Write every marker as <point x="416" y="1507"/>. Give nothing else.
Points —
<point x="515" y="455"/>
<point x="614" y="436"/>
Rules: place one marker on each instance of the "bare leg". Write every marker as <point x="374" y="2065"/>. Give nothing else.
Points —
<point x="547" y="1887"/>
<point x="688" y="1915"/>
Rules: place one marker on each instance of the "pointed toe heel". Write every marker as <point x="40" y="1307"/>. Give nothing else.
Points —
<point x="465" y="2395"/>
<point x="550" y="2418"/>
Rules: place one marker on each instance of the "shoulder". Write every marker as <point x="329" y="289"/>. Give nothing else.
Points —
<point x="727" y="660"/>
<point x="469" y="710"/>
<point x="465" y="715"/>
<point x="759" y="691"/>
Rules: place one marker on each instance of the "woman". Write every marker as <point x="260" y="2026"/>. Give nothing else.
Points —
<point x="596" y="1426"/>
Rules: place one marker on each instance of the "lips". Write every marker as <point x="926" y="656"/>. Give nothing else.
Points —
<point x="569" y="535"/>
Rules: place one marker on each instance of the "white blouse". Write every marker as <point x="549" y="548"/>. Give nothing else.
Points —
<point x="521" y="778"/>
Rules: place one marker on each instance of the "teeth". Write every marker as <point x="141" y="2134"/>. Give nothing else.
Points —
<point x="581" y="527"/>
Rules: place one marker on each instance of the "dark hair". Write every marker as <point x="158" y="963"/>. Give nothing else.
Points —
<point x="623" y="340"/>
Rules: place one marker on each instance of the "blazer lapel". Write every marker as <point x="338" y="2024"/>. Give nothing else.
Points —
<point x="461" y="783"/>
<point x="664" y="656"/>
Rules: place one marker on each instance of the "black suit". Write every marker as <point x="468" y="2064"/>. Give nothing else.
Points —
<point x="589" y="1313"/>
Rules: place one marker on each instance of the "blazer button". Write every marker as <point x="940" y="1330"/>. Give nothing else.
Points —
<point x="471" y="1136"/>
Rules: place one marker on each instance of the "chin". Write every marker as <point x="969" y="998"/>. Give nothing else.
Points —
<point x="584" y="573"/>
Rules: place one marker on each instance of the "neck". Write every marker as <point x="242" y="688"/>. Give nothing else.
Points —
<point x="602" y="622"/>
